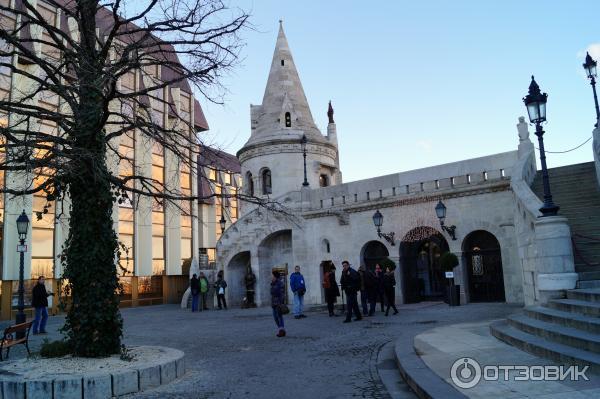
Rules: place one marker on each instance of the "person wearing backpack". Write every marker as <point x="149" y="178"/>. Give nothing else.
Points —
<point x="298" y="287"/>
<point x="203" y="291"/>
<point x="331" y="290"/>
<point x="220" y="286"/>
<point x="195" y="290"/>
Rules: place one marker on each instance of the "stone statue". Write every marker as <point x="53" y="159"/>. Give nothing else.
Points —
<point x="250" y="281"/>
<point x="523" y="129"/>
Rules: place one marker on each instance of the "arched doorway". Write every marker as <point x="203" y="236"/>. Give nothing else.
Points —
<point x="420" y="250"/>
<point x="373" y="252"/>
<point x="481" y="251"/>
<point x="235" y="274"/>
<point x="274" y="252"/>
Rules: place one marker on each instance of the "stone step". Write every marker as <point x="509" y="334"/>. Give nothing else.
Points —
<point x="585" y="294"/>
<point x="576" y="306"/>
<point x="538" y="346"/>
<point x="568" y="319"/>
<point x="556" y="332"/>
<point x="588" y="284"/>
<point x="589" y="275"/>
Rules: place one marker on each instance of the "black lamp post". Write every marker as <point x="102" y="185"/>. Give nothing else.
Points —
<point x="590" y="70"/>
<point x="378" y="222"/>
<point x="536" y="108"/>
<point x="440" y="211"/>
<point x="303" y="142"/>
<point x="22" y="228"/>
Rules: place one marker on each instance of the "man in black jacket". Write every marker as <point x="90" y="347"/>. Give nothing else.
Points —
<point x="350" y="282"/>
<point x="39" y="302"/>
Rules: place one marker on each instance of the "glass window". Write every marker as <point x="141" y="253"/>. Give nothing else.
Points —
<point x="266" y="182"/>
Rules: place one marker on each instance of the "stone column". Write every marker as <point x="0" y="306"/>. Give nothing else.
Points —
<point x="555" y="269"/>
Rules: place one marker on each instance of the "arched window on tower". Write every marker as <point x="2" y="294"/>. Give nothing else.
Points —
<point x="266" y="182"/>
<point x="249" y="184"/>
<point x="323" y="180"/>
<point x="288" y="119"/>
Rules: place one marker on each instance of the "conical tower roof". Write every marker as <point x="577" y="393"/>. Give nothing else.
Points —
<point x="283" y="94"/>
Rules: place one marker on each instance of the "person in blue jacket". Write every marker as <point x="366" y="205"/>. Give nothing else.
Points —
<point x="298" y="287"/>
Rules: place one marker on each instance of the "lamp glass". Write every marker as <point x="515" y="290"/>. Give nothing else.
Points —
<point x="22" y="225"/>
<point x="222" y="222"/>
<point x="303" y="141"/>
<point x="440" y="211"/>
<point x="590" y="66"/>
<point x="378" y="219"/>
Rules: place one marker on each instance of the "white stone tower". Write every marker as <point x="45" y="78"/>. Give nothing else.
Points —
<point x="271" y="159"/>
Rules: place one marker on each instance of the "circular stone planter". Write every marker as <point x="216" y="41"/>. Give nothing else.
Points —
<point x="86" y="378"/>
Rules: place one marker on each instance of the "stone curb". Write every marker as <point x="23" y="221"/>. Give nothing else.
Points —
<point x="97" y="385"/>
<point x="423" y="381"/>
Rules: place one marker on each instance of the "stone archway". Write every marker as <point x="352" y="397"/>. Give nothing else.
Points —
<point x="423" y="278"/>
<point x="483" y="260"/>
<point x="372" y="253"/>
<point x="275" y="251"/>
<point x="234" y="275"/>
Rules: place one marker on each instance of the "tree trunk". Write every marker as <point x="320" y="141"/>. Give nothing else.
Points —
<point x="93" y="323"/>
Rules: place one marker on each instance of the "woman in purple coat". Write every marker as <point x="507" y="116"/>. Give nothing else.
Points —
<point x="277" y="299"/>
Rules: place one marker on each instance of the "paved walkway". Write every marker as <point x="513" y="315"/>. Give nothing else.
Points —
<point x="235" y="354"/>
<point x="440" y="347"/>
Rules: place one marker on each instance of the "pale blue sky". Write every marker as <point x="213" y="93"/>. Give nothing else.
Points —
<point x="416" y="84"/>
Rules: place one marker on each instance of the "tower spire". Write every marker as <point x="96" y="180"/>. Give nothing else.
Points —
<point x="284" y="104"/>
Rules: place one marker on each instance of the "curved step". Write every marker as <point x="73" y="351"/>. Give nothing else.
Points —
<point x="568" y="319"/>
<point x="585" y="294"/>
<point x="557" y="333"/>
<point x="540" y="347"/>
<point x="576" y="306"/>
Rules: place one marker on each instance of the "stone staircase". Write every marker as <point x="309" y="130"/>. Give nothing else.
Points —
<point x="564" y="330"/>
<point x="575" y="189"/>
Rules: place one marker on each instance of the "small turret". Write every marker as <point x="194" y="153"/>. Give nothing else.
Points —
<point x="331" y="129"/>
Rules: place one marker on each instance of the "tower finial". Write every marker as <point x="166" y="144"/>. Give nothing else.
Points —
<point x="330" y="113"/>
<point x="280" y="22"/>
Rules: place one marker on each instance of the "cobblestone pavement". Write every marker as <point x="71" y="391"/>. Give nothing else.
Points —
<point x="235" y="354"/>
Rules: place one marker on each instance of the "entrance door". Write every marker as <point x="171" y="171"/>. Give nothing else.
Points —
<point x="373" y="253"/>
<point x="420" y="251"/>
<point x="484" y="267"/>
<point x="283" y="270"/>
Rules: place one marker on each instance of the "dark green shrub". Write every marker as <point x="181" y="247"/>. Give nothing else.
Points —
<point x="448" y="261"/>
<point x="55" y="348"/>
<point x="387" y="262"/>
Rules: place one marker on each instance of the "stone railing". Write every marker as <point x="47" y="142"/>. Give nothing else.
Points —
<point x="426" y="181"/>
<point x="544" y="243"/>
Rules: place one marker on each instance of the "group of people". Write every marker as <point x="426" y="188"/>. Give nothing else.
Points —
<point x="374" y="286"/>
<point x="199" y="290"/>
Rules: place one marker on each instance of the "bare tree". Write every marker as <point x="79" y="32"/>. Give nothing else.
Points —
<point x="91" y="79"/>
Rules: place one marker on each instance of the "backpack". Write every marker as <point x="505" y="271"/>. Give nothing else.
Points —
<point x="326" y="282"/>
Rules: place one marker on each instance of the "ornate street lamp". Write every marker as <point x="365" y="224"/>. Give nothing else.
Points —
<point x="22" y="229"/>
<point x="222" y="223"/>
<point x="303" y="142"/>
<point x="536" y="108"/>
<point x="590" y="70"/>
<point x="440" y="211"/>
<point x="378" y="222"/>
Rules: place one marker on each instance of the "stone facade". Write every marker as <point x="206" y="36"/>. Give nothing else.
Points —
<point x="506" y="252"/>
